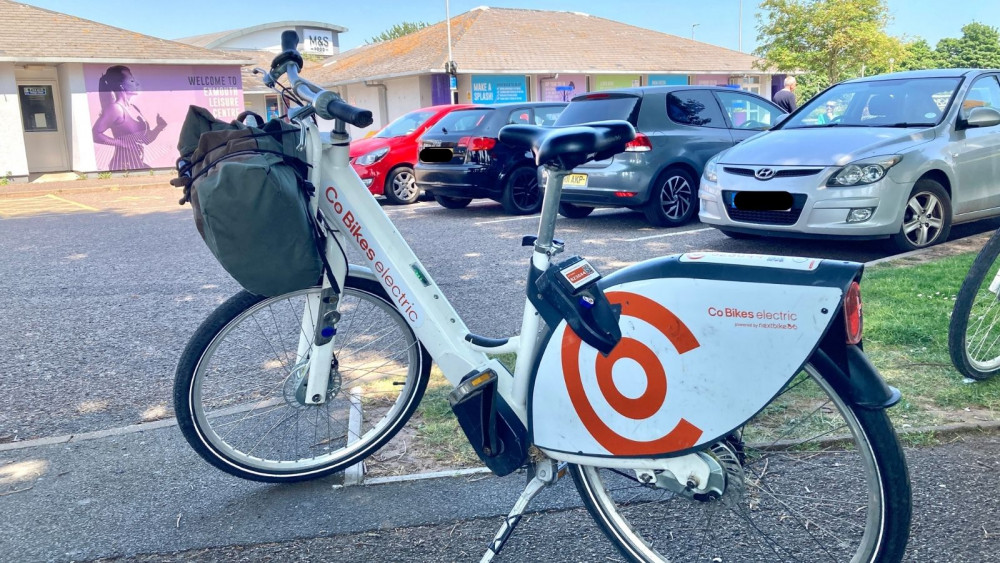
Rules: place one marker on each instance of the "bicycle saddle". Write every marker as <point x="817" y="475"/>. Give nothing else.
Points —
<point x="569" y="147"/>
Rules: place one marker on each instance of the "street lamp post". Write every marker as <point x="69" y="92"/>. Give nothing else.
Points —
<point x="694" y="25"/>
<point x="741" y="26"/>
<point x="450" y="65"/>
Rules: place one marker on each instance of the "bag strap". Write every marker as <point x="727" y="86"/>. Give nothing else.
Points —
<point x="184" y="166"/>
<point x="319" y="237"/>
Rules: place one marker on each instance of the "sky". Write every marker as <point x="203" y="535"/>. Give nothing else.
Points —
<point x="713" y="21"/>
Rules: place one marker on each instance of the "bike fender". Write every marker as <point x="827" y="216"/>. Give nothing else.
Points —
<point x="708" y="341"/>
<point x="362" y="272"/>
<point x="855" y="378"/>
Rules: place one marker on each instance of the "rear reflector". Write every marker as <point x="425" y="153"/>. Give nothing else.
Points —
<point x="853" y="320"/>
<point x="626" y="194"/>
<point x="639" y="144"/>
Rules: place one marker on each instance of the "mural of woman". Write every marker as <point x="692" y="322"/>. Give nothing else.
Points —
<point x="129" y="131"/>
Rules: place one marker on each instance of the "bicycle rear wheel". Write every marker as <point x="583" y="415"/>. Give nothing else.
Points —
<point x="974" y="330"/>
<point x="808" y="478"/>
<point x="239" y="397"/>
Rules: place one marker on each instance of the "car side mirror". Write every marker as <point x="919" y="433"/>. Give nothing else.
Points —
<point x="982" y="117"/>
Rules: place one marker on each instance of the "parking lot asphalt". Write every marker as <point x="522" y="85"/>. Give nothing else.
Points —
<point x="101" y="299"/>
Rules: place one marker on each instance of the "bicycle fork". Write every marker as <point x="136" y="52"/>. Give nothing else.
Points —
<point x="320" y="321"/>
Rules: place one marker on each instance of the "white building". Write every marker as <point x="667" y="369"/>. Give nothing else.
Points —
<point x="505" y="55"/>
<point x="77" y="95"/>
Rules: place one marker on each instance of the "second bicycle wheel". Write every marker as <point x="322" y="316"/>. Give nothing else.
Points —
<point x="808" y="478"/>
<point x="974" y="330"/>
<point x="239" y="393"/>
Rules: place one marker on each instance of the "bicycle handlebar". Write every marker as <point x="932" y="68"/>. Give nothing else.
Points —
<point x="327" y="104"/>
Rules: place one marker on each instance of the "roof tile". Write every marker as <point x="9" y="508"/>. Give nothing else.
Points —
<point x="494" y="40"/>
<point x="47" y="35"/>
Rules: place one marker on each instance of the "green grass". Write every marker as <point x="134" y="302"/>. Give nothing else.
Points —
<point x="438" y="432"/>
<point x="907" y="310"/>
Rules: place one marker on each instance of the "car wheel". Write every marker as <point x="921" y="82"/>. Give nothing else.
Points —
<point x="571" y="211"/>
<point x="673" y="199"/>
<point x="453" y="202"/>
<point x="522" y="195"/>
<point x="926" y="219"/>
<point x="738" y="235"/>
<point x="401" y="186"/>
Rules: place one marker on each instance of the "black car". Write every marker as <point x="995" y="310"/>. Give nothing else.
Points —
<point x="679" y="128"/>
<point x="461" y="158"/>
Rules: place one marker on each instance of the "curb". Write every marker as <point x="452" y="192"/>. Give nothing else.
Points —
<point x="12" y="194"/>
<point x="954" y="429"/>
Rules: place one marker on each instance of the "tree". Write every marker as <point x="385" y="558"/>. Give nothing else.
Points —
<point x="919" y="55"/>
<point x="979" y="47"/>
<point x="830" y="39"/>
<point x="396" y="31"/>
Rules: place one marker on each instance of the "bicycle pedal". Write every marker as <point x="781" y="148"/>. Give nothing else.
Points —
<point x="471" y="386"/>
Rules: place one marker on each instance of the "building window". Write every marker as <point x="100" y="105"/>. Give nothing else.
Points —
<point x="38" y="108"/>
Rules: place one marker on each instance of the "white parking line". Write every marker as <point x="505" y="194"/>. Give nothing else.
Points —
<point x="667" y="235"/>
<point x="595" y="213"/>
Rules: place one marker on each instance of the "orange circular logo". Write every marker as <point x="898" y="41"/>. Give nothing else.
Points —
<point x="652" y="400"/>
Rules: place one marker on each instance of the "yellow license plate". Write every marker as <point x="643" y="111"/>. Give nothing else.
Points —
<point x="576" y="180"/>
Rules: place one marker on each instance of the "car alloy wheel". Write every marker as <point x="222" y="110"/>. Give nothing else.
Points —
<point x="927" y="217"/>
<point x="673" y="200"/>
<point x="523" y="194"/>
<point x="402" y="186"/>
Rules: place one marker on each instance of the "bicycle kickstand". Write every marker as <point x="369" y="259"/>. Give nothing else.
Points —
<point x="544" y="473"/>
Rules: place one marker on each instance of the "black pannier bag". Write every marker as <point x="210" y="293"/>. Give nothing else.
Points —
<point x="247" y="187"/>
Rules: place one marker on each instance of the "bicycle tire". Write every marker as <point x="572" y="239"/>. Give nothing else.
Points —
<point x="235" y="390"/>
<point x="977" y="355"/>
<point x="773" y="479"/>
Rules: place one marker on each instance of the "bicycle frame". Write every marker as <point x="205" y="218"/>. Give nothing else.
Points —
<point x="355" y="217"/>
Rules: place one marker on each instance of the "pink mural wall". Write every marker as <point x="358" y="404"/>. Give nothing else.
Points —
<point x="137" y="110"/>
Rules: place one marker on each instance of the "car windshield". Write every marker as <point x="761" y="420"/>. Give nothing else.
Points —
<point x="405" y="125"/>
<point x="460" y="121"/>
<point x="900" y="102"/>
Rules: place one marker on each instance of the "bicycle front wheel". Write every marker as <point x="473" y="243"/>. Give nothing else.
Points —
<point x="239" y="393"/>
<point x="974" y="330"/>
<point x="808" y="478"/>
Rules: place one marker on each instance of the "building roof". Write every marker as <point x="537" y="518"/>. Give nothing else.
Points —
<point x="215" y="40"/>
<point x="517" y="41"/>
<point x="44" y="36"/>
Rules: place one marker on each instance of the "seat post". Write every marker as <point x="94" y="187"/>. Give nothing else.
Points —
<point x="550" y="208"/>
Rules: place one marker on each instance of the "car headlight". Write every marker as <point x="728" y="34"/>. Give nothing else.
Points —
<point x="867" y="171"/>
<point x="712" y="169"/>
<point x="372" y="157"/>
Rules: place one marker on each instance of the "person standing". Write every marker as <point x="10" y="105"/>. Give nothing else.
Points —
<point x="785" y="98"/>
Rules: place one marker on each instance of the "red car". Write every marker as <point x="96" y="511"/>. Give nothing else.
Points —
<point x="385" y="161"/>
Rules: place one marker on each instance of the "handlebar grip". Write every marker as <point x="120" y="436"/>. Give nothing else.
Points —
<point x="329" y="106"/>
<point x="289" y="40"/>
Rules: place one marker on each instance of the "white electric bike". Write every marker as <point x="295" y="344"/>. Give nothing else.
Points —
<point x="709" y="407"/>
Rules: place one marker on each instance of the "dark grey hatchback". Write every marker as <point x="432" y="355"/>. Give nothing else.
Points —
<point x="679" y="129"/>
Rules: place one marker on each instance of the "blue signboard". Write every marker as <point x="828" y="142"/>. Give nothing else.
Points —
<point x="498" y="89"/>
<point x="668" y="79"/>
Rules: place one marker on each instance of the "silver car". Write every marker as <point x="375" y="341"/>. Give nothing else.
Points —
<point x="903" y="155"/>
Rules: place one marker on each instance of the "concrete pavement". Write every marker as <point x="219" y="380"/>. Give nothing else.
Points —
<point x="92" y="183"/>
